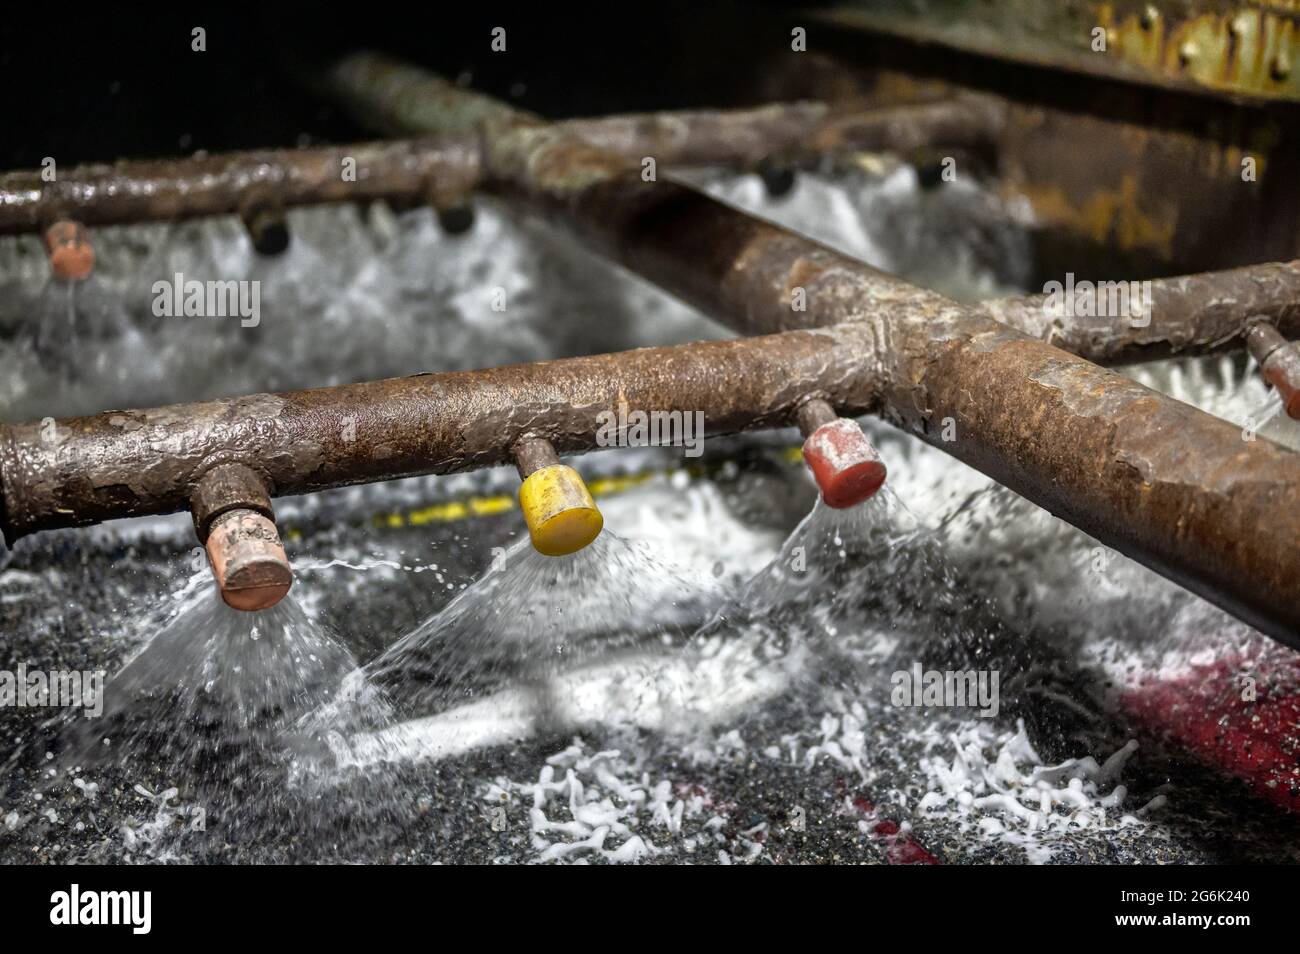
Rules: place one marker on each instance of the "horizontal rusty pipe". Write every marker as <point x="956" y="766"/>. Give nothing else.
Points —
<point x="1171" y="486"/>
<point x="80" y="471"/>
<point x="162" y="190"/>
<point x="1191" y="314"/>
<point x="1158" y="479"/>
<point x="745" y="137"/>
<point x="445" y="170"/>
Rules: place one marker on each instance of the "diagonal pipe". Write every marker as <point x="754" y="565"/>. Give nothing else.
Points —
<point x="79" y="471"/>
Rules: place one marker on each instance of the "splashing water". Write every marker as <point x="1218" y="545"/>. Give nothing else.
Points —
<point x="849" y="589"/>
<point x="533" y="620"/>
<point x="221" y="709"/>
<point x="215" y="692"/>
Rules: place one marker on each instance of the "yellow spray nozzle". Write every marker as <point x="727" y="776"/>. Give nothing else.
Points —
<point x="562" y="517"/>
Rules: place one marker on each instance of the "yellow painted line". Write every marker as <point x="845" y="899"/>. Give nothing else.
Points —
<point x="605" y="486"/>
<point x="454" y="510"/>
<point x="487" y="506"/>
<point x="448" y="512"/>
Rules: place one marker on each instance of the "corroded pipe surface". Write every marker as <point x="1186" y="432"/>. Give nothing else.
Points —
<point x="444" y="170"/>
<point x="226" y="487"/>
<point x="83" y="470"/>
<point x="532" y="454"/>
<point x="1171" y="486"/>
<point x="745" y="137"/>
<point x="142" y="191"/>
<point x="1191" y="314"/>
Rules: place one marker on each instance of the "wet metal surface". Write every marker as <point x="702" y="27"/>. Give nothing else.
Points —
<point x="1169" y="485"/>
<point x="142" y="191"/>
<point x="82" y="470"/>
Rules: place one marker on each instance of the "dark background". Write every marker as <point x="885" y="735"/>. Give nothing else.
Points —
<point x="121" y="81"/>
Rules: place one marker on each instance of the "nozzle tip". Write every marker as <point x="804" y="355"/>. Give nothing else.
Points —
<point x="1291" y="404"/>
<point x="562" y="516"/>
<point x="72" y="257"/>
<point x="1282" y="370"/>
<point x="845" y="465"/>
<point x="248" y="560"/>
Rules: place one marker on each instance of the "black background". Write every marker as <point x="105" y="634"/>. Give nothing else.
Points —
<point x="927" y="906"/>
<point x="121" y="80"/>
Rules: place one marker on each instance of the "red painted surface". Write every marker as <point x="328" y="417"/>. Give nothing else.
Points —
<point x="845" y="465"/>
<point x="1208" y="711"/>
<point x="72" y="257"/>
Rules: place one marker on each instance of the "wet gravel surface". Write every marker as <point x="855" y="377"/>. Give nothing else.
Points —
<point x="751" y="790"/>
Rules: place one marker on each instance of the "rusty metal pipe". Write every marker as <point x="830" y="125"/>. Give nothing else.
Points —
<point x="1165" y="483"/>
<point x="80" y="471"/>
<point x="1191" y="314"/>
<point x="161" y="190"/>
<point x="745" y="137"/>
<point x="446" y="169"/>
